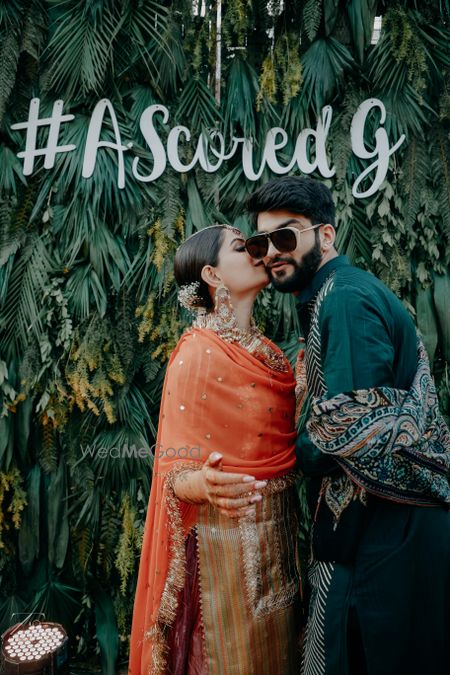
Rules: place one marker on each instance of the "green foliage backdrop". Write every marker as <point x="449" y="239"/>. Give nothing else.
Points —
<point x="88" y="314"/>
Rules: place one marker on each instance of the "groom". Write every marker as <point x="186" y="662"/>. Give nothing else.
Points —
<point x="376" y="451"/>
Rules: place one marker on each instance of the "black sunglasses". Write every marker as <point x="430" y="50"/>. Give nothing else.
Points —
<point x="284" y="240"/>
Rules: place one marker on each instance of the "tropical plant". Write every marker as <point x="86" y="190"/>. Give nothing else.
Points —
<point x="88" y="313"/>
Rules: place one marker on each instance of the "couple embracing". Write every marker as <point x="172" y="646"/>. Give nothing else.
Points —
<point x="219" y="587"/>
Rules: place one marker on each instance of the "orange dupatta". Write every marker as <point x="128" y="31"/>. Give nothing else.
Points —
<point x="216" y="397"/>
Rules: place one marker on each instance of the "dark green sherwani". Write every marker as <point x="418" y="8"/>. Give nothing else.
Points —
<point x="380" y="578"/>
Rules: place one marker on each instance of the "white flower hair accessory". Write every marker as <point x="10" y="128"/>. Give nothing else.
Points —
<point x="188" y="296"/>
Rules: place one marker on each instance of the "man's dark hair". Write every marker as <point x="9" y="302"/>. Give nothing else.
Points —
<point x="197" y="251"/>
<point x="298" y="194"/>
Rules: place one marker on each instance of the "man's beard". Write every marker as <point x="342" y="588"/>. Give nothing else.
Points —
<point x="303" y="273"/>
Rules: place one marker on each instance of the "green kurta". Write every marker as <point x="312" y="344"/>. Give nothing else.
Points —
<point x="381" y="579"/>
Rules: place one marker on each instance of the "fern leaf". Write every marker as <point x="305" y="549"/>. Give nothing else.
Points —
<point x="82" y="539"/>
<point x="415" y="177"/>
<point x="48" y="452"/>
<point x="34" y="30"/>
<point x="312" y="15"/>
<point x="9" y="240"/>
<point x="169" y="185"/>
<point x="9" y="58"/>
<point x="442" y="173"/>
<point x="109" y="534"/>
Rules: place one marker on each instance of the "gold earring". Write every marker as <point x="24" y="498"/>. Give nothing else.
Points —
<point x="222" y="305"/>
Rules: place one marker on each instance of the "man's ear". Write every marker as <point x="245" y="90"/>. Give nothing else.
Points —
<point x="327" y="237"/>
<point x="210" y="276"/>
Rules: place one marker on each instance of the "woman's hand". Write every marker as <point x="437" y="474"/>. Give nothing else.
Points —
<point x="233" y="494"/>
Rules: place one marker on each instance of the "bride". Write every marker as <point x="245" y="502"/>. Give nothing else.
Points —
<point x="218" y="585"/>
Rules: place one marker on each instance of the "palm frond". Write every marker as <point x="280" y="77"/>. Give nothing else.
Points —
<point x="435" y="40"/>
<point x="11" y="175"/>
<point x="145" y="28"/>
<point x="26" y="285"/>
<point x="80" y="47"/>
<point x="405" y="113"/>
<point x="324" y="67"/>
<point x="119" y="455"/>
<point x="85" y="292"/>
<point x="57" y="516"/>
<point x="133" y="409"/>
<point x="198" y="105"/>
<point x="386" y="72"/>
<point x="11" y="605"/>
<point x="97" y="195"/>
<point x="107" y="253"/>
<point x="242" y="87"/>
<point x="141" y="97"/>
<point x="11" y="13"/>
<point x="57" y="601"/>
<point x="196" y="217"/>
<point x="142" y="275"/>
<point x="361" y="14"/>
<point x="169" y="59"/>
<point x="297" y="115"/>
<point x="5" y="276"/>
<point x="234" y="189"/>
<point x="354" y="235"/>
<point x="84" y="505"/>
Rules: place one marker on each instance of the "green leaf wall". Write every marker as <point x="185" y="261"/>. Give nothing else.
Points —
<point x="88" y="313"/>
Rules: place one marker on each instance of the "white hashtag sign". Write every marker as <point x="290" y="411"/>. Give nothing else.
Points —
<point x="52" y="148"/>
